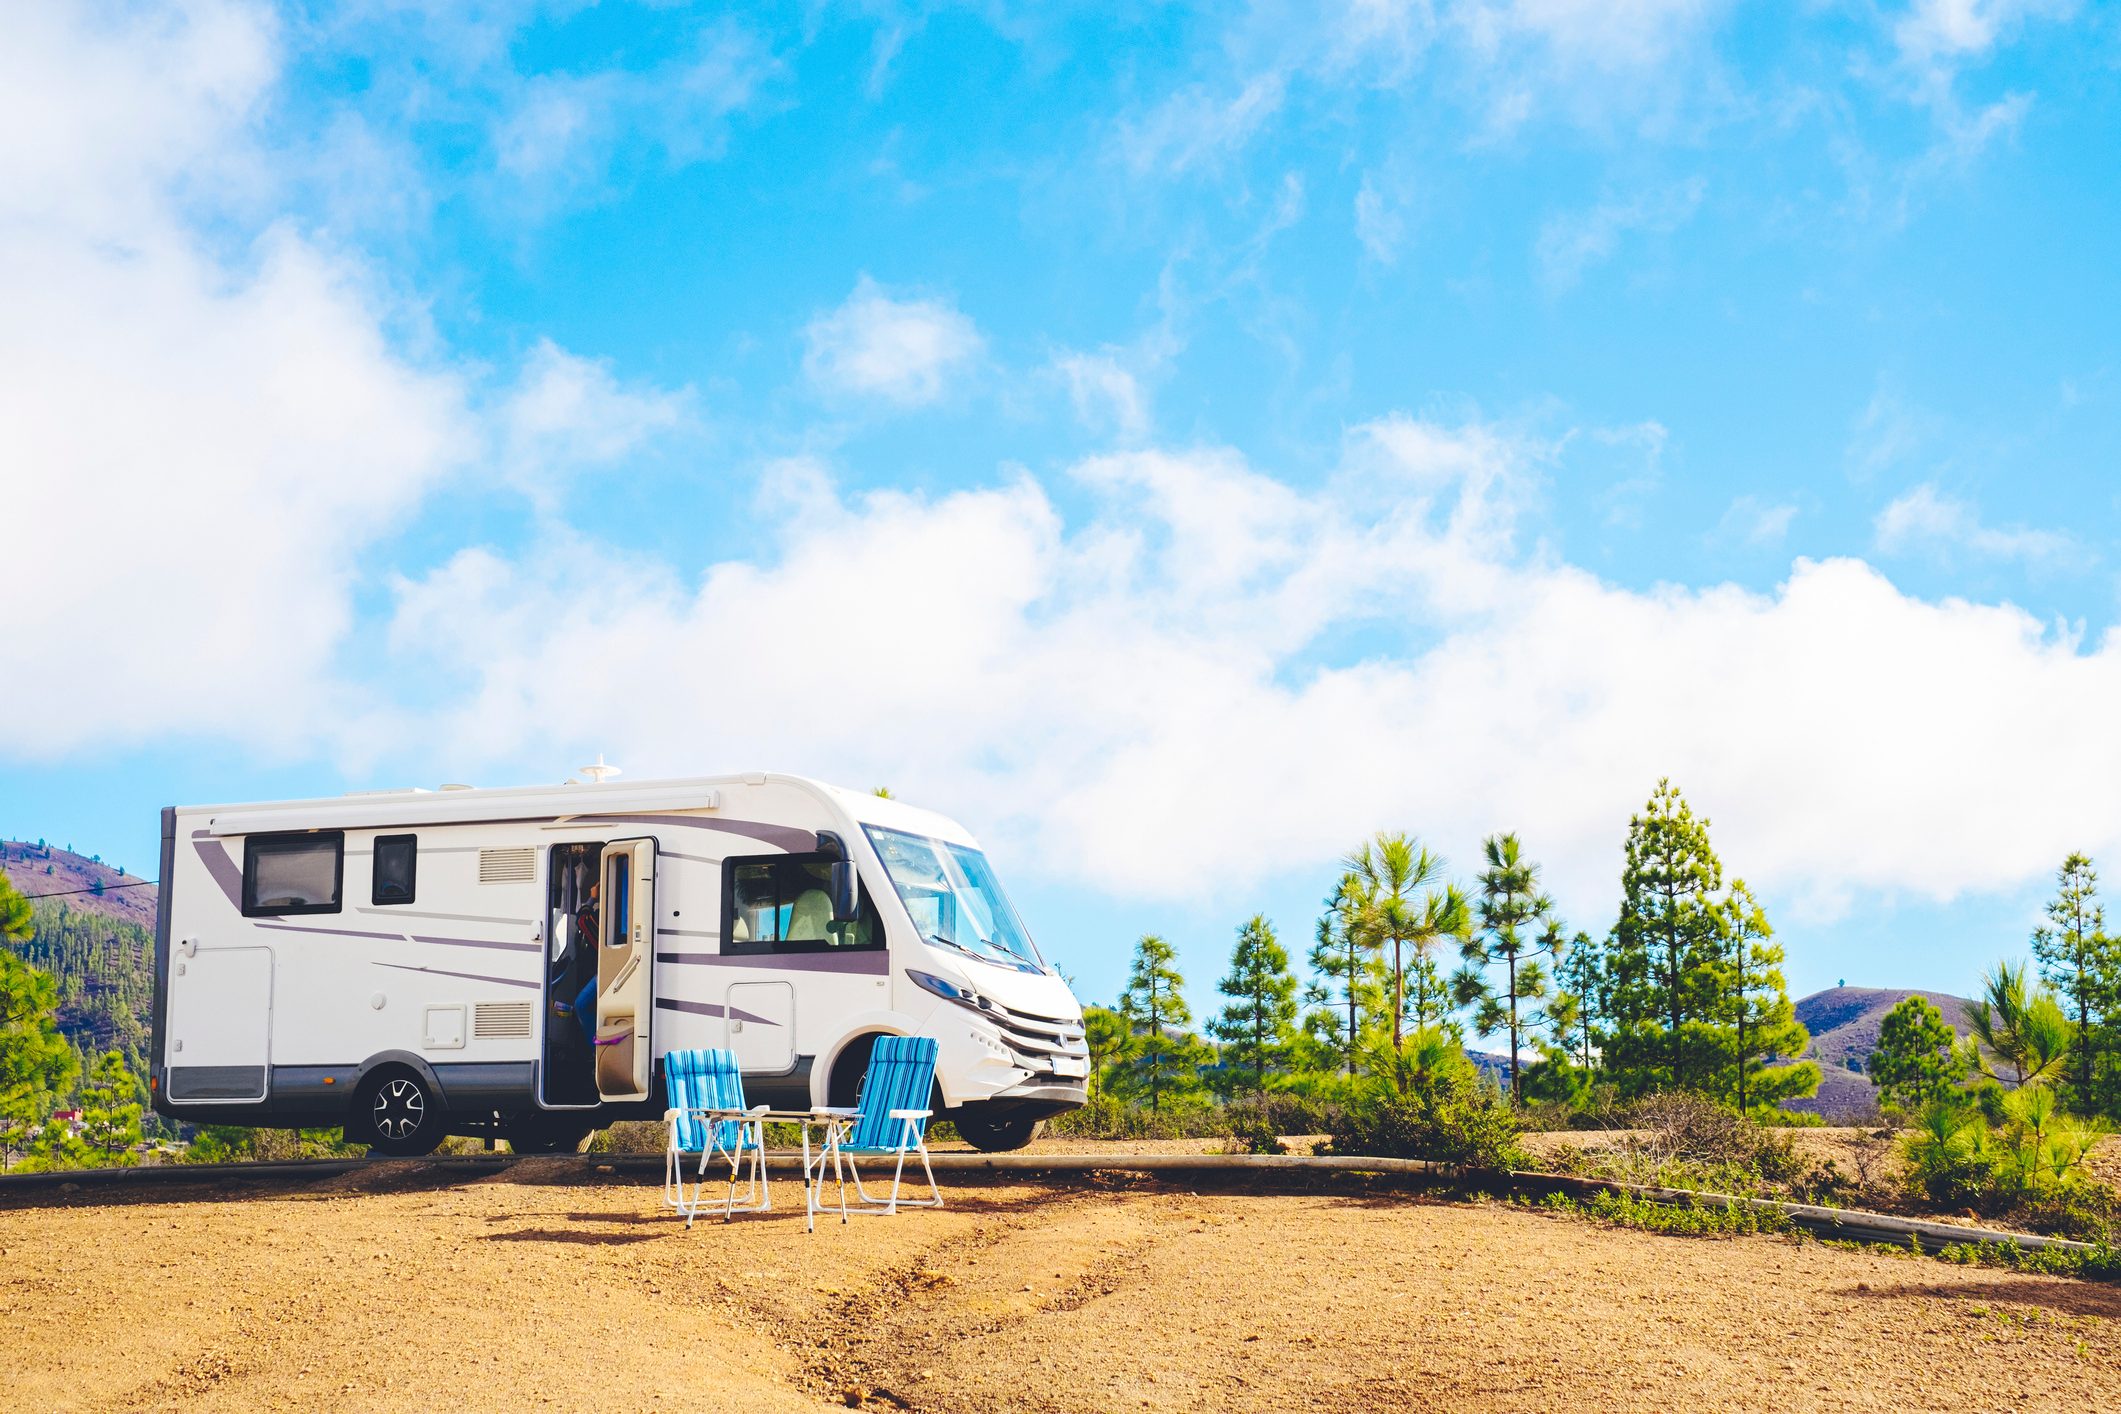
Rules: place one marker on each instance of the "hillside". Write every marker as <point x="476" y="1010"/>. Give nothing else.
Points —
<point x="85" y="885"/>
<point x="1844" y="1023"/>
<point x="100" y="945"/>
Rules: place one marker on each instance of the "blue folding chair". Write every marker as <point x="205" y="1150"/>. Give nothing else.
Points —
<point x="707" y="1117"/>
<point x="889" y="1118"/>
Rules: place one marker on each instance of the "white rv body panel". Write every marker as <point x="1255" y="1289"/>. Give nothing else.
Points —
<point x="281" y="1012"/>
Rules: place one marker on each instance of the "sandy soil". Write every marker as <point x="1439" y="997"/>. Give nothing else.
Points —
<point x="385" y="1291"/>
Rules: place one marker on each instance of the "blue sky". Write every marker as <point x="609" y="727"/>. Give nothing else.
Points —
<point x="1175" y="441"/>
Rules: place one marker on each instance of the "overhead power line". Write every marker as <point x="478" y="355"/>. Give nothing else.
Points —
<point x="92" y="889"/>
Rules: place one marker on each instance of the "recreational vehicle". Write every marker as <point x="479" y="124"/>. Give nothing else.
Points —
<point x="414" y="964"/>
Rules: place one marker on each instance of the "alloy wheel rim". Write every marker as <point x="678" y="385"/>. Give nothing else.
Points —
<point x="399" y="1109"/>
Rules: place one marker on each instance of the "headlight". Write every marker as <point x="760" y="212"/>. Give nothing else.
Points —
<point x="948" y="990"/>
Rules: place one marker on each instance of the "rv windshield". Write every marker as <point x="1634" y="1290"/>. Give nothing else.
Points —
<point x="953" y="897"/>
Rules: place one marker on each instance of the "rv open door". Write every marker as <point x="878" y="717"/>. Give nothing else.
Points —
<point x="626" y="969"/>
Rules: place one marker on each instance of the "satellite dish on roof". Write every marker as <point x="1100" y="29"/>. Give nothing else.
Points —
<point x="600" y="772"/>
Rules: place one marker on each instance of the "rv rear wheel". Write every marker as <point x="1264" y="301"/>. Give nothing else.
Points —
<point x="994" y="1134"/>
<point x="397" y="1113"/>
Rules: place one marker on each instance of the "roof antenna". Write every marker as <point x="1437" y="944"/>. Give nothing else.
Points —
<point x="600" y="772"/>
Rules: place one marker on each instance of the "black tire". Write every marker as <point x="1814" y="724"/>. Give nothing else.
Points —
<point x="534" y="1138"/>
<point x="397" y="1113"/>
<point x="995" y="1133"/>
<point x="844" y="1087"/>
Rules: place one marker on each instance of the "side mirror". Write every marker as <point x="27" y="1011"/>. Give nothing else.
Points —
<point x="846" y="892"/>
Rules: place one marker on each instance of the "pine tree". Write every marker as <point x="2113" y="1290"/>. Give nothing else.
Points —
<point x="1764" y="1026"/>
<point x="2081" y="963"/>
<point x="1917" y="1060"/>
<point x="1257" y="1027"/>
<point x="36" y="1063"/>
<point x="1344" y="987"/>
<point x="1518" y="930"/>
<point x="1384" y="877"/>
<point x="2020" y="1025"/>
<point x="1580" y="974"/>
<point x="1666" y="950"/>
<point x="110" y="1110"/>
<point x="1165" y="1059"/>
<point x="16" y="924"/>
<point x="1110" y="1041"/>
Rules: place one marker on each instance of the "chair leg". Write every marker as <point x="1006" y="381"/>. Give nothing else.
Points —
<point x="936" y="1192"/>
<point x="898" y="1176"/>
<point x="809" y="1191"/>
<point x="758" y="1153"/>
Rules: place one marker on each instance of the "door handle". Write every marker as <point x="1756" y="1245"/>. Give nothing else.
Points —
<point x="624" y="973"/>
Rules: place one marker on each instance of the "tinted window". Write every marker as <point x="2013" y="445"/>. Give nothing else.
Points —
<point x="397" y="859"/>
<point x="293" y="873"/>
<point x="783" y="903"/>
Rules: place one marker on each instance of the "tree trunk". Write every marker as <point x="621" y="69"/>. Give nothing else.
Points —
<point x="1399" y="997"/>
<point x="1516" y="1086"/>
<point x="1352" y="1008"/>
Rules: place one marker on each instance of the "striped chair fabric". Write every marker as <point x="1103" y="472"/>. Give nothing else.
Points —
<point x="705" y="1080"/>
<point x="901" y="1077"/>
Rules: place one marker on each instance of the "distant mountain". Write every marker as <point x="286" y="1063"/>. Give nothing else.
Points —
<point x="1844" y="1023"/>
<point x="84" y="885"/>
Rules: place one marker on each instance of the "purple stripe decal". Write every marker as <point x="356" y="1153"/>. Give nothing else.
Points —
<point x="214" y="855"/>
<point x="873" y="961"/>
<point x="468" y="976"/>
<point x="332" y="932"/>
<point x="780" y="836"/>
<point x="478" y="943"/>
<point x="710" y="1009"/>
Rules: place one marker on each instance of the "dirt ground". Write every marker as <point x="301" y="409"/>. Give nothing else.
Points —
<point x="400" y="1289"/>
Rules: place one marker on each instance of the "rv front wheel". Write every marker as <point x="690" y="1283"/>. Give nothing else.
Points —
<point x="995" y="1134"/>
<point x="396" y="1113"/>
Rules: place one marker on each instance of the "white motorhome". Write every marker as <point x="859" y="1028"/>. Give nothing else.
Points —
<point x="412" y="964"/>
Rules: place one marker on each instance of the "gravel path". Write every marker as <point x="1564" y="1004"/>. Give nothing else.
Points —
<point x="383" y="1292"/>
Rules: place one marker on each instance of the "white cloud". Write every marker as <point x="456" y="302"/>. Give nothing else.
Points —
<point x="1198" y="126"/>
<point x="1094" y="688"/>
<point x="1938" y="35"/>
<point x="201" y="441"/>
<point x="1106" y="394"/>
<point x="1571" y="244"/>
<point x="902" y="351"/>
<point x="1926" y="520"/>
<point x="1752" y="521"/>
<point x="1609" y="35"/>
<point x="1380" y="221"/>
<point x="556" y="134"/>
<point x="568" y="413"/>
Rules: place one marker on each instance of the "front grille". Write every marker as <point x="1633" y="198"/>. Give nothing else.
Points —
<point x="1036" y="1039"/>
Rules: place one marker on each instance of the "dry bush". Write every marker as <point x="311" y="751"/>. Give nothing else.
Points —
<point x="629" y="1136"/>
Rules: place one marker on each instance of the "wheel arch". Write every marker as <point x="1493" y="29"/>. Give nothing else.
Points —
<point x="386" y="1060"/>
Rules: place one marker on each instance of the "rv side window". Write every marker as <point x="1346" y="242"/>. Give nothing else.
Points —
<point x="783" y="903"/>
<point x="397" y="864"/>
<point x="293" y="873"/>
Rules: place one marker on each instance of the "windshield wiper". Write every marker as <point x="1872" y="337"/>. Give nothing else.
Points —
<point x="986" y="952"/>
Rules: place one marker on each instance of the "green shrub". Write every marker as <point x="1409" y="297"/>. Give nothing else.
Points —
<point x="2101" y="1263"/>
<point x="1109" y="1117"/>
<point x="1672" y="1219"/>
<point x="2084" y="1211"/>
<point x="1445" y="1113"/>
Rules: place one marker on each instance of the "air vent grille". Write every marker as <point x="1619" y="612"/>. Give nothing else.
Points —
<point x="507" y="866"/>
<point x="495" y="1021"/>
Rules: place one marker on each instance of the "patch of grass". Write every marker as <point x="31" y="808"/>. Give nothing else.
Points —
<point x="1670" y="1219"/>
<point x="2101" y="1263"/>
